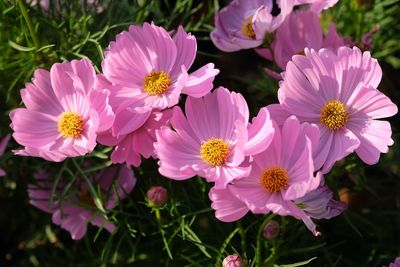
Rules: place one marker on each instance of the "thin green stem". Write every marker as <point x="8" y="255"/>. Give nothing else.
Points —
<point x="29" y="23"/>
<point x="96" y="199"/>
<point x="242" y="240"/>
<point x="259" y="238"/>
<point x="160" y="227"/>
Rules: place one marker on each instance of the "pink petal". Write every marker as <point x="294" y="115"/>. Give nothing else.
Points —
<point x="299" y="87"/>
<point x="186" y="46"/>
<point x="260" y="133"/>
<point x="368" y="103"/>
<point x="273" y="154"/>
<point x="227" y="207"/>
<point x="32" y="128"/>
<point x="100" y="221"/>
<point x="203" y="116"/>
<point x="265" y="53"/>
<point x="41" y="152"/>
<point x="333" y="40"/>
<point x="375" y="138"/>
<point x="200" y="82"/>
<point x="99" y="101"/>
<point x="253" y="195"/>
<point x="124" y="152"/>
<point x="278" y="113"/>
<point x="224" y="175"/>
<point x="335" y="145"/>
<point x="176" y="149"/>
<point x="129" y="120"/>
<point x="40" y="96"/>
<point x="357" y="67"/>
<point x="84" y="70"/>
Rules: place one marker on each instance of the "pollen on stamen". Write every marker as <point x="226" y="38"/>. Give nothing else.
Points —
<point x="214" y="151"/>
<point x="156" y="83"/>
<point x="70" y="124"/>
<point x="334" y="115"/>
<point x="274" y="179"/>
<point x="247" y="28"/>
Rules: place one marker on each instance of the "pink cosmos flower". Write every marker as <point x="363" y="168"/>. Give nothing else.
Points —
<point x="149" y="68"/>
<point x="282" y="173"/>
<point x="337" y="91"/>
<point x="138" y="142"/>
<point x="213" y="140"/>
<point x="317" y="5"/>
<point x="63" y="113"/>
<point x="301" y="29"/>
<point x="76" y="211"/>
<point x="3" y="145"/>
<point x="244" y="24"/>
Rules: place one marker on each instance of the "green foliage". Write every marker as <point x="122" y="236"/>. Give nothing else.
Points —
<point x="382" y="16"/>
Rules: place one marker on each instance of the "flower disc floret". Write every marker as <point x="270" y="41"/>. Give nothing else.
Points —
<point x="247" y="28"/>
<point x="274" y="179"/>
<point x="334" y="115"/>
<point x="70" y="125"/>
<point x="156" y="83"/>
<point x="214" y="151"/>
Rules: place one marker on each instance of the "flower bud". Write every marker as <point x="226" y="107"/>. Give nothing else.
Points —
<point x="233" y="261"/>
<point x="157" y="195"/>
<point x="271" y="230"/>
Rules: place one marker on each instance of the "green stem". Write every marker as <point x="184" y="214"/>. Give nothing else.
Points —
<point x="29" y="23"/>
<point x="164" y="238"/>
<point x="242" y="240"/>
<point x="259" y="238"/>
<point x="158" y="216"/>
<point x="96" y="199"/>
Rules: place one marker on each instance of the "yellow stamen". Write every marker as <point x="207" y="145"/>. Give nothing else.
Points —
<point x="334" y="115"/>
<point x="214" y="151"/>
<point x="247" y="28"/>
<point x="156" y="83"/>
<point x="274" y="179"/>
<point x="70" y="124"/>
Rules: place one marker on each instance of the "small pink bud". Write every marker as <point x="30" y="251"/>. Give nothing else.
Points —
<point x="157" y="195"/>
<point x="271" y="230"/>
<point x="233" y="261"/>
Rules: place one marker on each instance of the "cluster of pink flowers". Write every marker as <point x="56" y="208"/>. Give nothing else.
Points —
<point x="329" y="106"/>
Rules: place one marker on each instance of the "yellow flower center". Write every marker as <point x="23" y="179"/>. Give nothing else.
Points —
<point x="70" y="124"/>
<point x="334" y="115"/>
<point x="214" y="151"/>
<point x="156" y="83"/>
<point x="274" y="179"/>
<point x="247" y="28"/>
